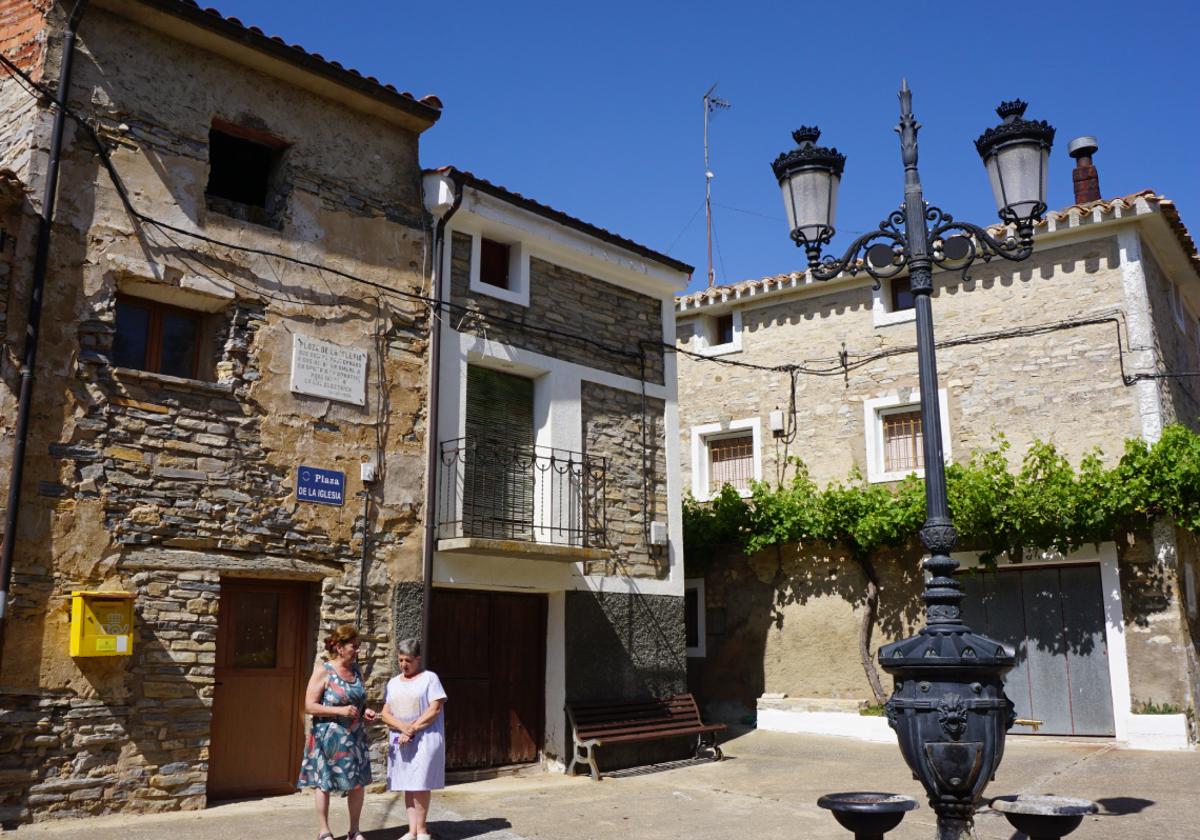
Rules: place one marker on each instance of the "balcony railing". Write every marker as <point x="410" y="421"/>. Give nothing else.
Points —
<point x="533" y="494"/>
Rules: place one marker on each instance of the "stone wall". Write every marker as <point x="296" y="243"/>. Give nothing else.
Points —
<point x="1177" y="347"/>
<point x="574" y="303"/>
<point x="1062" y="386"/>
<point x="614" y="427"/>
<point x="163" y="487"/>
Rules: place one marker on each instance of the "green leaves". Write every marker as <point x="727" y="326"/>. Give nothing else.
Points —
<point x="1044" y="503"/>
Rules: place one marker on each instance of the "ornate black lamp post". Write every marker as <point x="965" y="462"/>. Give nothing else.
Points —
<point x="948" y="708"/>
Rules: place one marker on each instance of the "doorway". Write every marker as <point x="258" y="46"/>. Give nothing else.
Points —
<point x="257" y="721"/>
<point x="1053" y="617"/>
<point x="489" y="649"/>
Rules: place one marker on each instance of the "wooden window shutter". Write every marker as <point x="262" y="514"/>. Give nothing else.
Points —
<point x="499" y="479"/>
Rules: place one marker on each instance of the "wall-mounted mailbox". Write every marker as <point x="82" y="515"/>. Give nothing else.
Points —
<point x="101" y="623"/>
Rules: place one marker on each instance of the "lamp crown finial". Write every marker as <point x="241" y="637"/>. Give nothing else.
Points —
<point x="1012" y="110"/>
<point x="806" y="134"/>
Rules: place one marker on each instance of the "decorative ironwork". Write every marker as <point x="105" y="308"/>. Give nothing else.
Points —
<point x="536" y="494"/>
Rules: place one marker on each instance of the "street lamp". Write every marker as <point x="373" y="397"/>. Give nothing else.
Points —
<point x="948" y="708"/>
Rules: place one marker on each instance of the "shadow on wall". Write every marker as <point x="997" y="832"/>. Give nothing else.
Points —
<point x="748" y="598"/>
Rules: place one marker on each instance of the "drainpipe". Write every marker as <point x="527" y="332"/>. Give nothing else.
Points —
<point x="29" y="355"/>
<point x="431" y="428"/>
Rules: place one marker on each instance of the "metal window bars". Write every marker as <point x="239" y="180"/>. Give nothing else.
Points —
<point x="537" y="494"/>
<point x="902" y="441"/>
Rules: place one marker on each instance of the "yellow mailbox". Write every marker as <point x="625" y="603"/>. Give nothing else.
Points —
<point x="101" y="623"/>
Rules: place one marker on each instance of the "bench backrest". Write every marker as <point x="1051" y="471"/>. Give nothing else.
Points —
<point x="623" y="717"/>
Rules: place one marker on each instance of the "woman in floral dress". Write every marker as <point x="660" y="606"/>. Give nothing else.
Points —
<point x="337" y="758"/>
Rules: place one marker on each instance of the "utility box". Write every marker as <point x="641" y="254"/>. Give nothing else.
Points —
<point x="101" y="623"/>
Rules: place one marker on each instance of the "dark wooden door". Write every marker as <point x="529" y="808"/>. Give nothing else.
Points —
<point x="489" y="649"/>
<point x="1053" y="616"/>
<point x="257" y="722"/>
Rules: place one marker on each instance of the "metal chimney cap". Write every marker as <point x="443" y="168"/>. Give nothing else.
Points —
<point x="1082" y="146"/>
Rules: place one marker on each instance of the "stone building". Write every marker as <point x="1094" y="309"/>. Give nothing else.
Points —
<point x="233" y="337"/>
<point x="1071" y="347"/>
<point x="558" y="573"/>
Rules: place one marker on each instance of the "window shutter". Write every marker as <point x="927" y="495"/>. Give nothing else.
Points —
<point x="499" y="479"/>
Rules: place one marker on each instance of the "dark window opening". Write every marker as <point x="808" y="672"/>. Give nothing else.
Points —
<point x="493" y="263"/>
<point x="691" y="617"/>
<point x="243" y="174"/>
<point x="902" y="296"/>
<point x="725" y="329"/>
<point x="158" y="338"/>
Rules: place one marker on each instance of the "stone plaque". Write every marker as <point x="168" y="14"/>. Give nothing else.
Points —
<point x="324" y="369"/>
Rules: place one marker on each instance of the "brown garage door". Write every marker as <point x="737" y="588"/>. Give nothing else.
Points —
<point x="489" y="649"/>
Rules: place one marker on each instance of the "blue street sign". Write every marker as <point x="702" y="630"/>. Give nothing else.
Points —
<point x="323" y="487"/>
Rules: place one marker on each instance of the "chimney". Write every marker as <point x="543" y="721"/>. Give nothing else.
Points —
<point x="1084" y="176"/>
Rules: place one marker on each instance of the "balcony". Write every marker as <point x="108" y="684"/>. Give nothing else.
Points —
<point x="539" y="502"/>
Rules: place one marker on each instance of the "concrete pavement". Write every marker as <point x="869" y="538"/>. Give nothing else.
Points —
<point x="766" y="788"/>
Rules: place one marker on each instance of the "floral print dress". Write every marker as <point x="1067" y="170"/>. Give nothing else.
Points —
<point x="337" y="757"/>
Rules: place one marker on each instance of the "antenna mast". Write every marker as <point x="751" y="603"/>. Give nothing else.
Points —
<point x="711" y="103"/>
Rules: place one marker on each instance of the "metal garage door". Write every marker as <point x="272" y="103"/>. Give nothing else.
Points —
<point x="1054" y="619"/>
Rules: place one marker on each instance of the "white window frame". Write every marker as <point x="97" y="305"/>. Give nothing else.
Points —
<point x="706" y="333"/>
<point x="697" y="585"/>
<point x="701" y="435"/>
<point x="881" y="307"/>
<point x="875" y="409"/>
<point x="518" y="270"/>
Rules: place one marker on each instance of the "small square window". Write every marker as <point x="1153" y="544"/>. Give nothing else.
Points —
<point x="900" y="289"/>
<point x="730" y="461"/>
<point x="243" y="174"/>
<point x="903" y="444"/>
<point x="158" y="338"/>
<point x="493" y="263"/>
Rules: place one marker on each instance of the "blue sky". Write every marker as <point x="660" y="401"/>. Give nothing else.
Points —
<point x="595" y="109"/>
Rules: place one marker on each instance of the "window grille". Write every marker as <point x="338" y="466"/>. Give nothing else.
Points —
<point x="903" y="449"/>
<point x="731" y="461"/>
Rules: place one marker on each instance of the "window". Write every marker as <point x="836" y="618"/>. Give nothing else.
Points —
<point x="243" y="175"/>
<point x="693" y="616"/>
<point x="498" y="490"/>
<point x="893" y="302"/>
<point x="726" y="453"/>
<point x="499" y="269"/>
<point x="158" y="338"/>
<point x="731" y="461"/>
<point x="903" y="444"/>
<point x="895" y="443"/>
<point x="719" y="333"/>
<point x="900" y="289"/>
<point x="493" y="263"/>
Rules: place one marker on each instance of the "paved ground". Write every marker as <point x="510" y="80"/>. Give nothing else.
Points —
<point x="766" y="788"/>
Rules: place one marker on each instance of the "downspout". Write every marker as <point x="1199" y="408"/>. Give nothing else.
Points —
<point x="431" y="429"/>
<point x="41" y="261"/>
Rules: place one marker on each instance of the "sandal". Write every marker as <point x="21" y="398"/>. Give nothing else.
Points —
<point x="324" y="835"/>
<point x="355" y="834"/>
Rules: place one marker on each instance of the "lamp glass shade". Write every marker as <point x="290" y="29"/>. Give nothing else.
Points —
<point x="810" y="201"/>
<point x="1017" y="172"/>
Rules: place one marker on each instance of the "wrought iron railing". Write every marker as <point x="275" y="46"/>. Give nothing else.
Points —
<point x="534" y="494"/>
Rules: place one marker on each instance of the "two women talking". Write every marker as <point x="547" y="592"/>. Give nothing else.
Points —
<point x="337" y="756"/>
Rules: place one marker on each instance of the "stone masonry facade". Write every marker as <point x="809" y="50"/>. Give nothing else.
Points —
<point x="167" y="487"/>
<point x="609" y="315"/>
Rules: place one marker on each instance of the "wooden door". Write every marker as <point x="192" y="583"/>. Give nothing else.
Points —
<point x="489" y="649"/>
<point x="257" y="722"/>
<point x="1053" y="617"/>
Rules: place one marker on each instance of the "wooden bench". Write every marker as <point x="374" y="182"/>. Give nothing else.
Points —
<point x="626" y="721"/>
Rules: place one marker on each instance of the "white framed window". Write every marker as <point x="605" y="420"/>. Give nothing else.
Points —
<point x="500" y="268"/>
<point x="719" y="334"/>
<point x="726" y="453"/>
<point x="693" y="616"/>
<point x="893" y="302"/>
<point x="895" y="446"/>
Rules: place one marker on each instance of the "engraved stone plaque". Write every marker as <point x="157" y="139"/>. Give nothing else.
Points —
<point x="324" y="369"/>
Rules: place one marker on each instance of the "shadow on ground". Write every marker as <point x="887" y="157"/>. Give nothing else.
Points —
<point x="446" y="829"/>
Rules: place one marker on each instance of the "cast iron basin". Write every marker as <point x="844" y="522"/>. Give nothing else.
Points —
<point x="1044" y="817"/>
<point x="868" y="814"/>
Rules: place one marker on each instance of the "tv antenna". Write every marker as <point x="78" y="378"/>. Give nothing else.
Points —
<point x="711" y="104"/>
